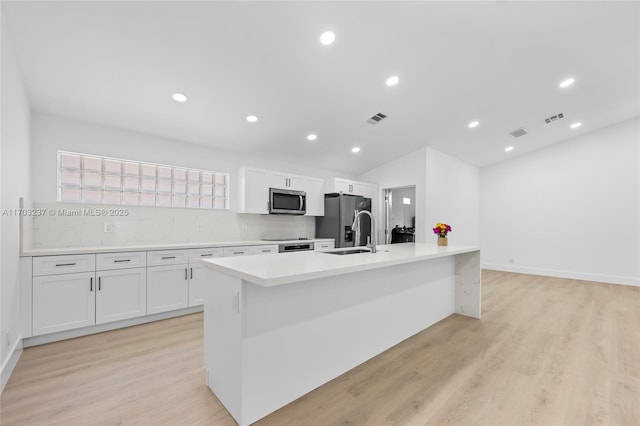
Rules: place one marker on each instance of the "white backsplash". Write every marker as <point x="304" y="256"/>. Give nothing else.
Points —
<point x="156" y="225"/>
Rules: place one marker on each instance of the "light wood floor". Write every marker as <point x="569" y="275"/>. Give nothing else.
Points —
<point x="547" y="352"/>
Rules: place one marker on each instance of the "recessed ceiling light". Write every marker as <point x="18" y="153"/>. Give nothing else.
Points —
<point x="576" y="125"/>
<point x="252" y="118"/>
<point x="179" y="97"/>
<point x="566" y="83"/>
<point x="509" y="148"/>
<point x="355" y="149"/>
<point x="473" y="124"/>
<point x="327" y="37"/>
<point x="312" y="137"/>
<point x="393" y="80"/>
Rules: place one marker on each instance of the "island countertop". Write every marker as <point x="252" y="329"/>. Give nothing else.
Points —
<point x="277" y="269"/>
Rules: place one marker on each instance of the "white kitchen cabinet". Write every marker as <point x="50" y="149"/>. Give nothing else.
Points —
<point x="250" y="250"/>
<point x="352" y="187"/>
<point x="66" y="264"/>
<point x="324" y="245"/>
<point x="315" y="197"/>
<point x="167" y="288"/>
<point x="121" y="294"/>
<point x="253" y="190"/>
<point x="286" y="181"/>
<point x="63" y="302"/>
<point x="199" y="275"/>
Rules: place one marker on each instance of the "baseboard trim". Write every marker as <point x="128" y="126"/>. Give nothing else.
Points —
<point x="602" y="278"/>
<point x="85" y="331"/>
<point x="10" y="364"/>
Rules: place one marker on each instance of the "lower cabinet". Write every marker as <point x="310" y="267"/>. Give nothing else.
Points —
<point x="167" y="288"/>
<point x="121" y="294"/>
<point x="67" y="301"/>
<point x="63" y="302"/>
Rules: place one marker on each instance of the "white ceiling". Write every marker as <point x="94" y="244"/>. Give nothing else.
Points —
<point x="117" y="63"/>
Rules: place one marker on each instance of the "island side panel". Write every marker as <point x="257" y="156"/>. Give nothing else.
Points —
<point x="299" y="336"/>
<point x="223" y="329"/>
<point x="468" y="284"/>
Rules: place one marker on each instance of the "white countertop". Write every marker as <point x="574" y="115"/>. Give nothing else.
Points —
<point x="149" y="247"/>
<point x="271" y="269"/>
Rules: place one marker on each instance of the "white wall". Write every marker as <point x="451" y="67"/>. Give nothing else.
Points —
<point x="571" y="210"/>
<point x="408" y="170"/>
<point x="50" y="134"/>
<point x="15" y="183"/>
<point x="453" y="197"/>
<point x="447" y="190"/>
<point x="149" y="225"/>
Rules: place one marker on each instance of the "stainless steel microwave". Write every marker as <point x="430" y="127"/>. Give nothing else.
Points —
<point x="286" y="201"/>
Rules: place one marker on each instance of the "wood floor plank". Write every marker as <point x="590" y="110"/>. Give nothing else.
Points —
<point x="548" y="351"/>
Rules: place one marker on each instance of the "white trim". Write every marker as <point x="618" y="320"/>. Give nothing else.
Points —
<point x="10" y="364"/>
<point x="85" y="331"/>
<point x="610" y="279"/>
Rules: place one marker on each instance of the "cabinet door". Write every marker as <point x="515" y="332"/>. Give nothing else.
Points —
<point x="253" y="191"/>
<point x="286" y="181"/>
<point x="63" y="302"/>
<point x="199" y="277"/>
<point x="167" y="288"/>
<point x="343" y="186"/>
<point x="315" y="197"/>
<point x="121" y="294"/>
<point x="278" y="180"/>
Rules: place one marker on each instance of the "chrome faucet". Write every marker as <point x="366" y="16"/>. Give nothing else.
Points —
<point x="373" y="227"/>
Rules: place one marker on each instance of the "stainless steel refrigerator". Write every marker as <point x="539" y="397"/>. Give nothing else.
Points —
<point x="339" y="211"/>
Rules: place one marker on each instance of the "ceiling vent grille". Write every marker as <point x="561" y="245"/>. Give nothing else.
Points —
<point x="518" y="132"/>
<point x="376" y="118"/>
<point x="554" y="118"/>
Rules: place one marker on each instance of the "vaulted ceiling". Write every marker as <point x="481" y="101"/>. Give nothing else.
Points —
<point x="499" y="63"/>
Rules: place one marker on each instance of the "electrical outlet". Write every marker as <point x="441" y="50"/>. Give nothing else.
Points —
<point x="108" y="227"/>
<point x="199" y="227"/>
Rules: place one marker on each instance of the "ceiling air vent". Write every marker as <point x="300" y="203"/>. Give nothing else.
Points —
<point x="554" y="118"/>
<point x="376" y="118"/>
<point x="518" y="132"/>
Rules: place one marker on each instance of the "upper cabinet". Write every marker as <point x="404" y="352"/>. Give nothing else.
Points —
<point x="352" y="187"/>
<point x="254" y="184"/>
<point x="286" y="181"/>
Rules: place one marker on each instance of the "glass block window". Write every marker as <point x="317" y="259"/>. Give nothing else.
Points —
<point x="84" y="178"/>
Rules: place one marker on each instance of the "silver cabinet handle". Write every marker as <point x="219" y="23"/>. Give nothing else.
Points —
<point x="186" y="274"/>
<point x="121" y="260"/>
<point x="99" y="283"/>
<point x="168" y="257"/>
<point x="206" y="255"/>
<point x="191" y="276"/>
<point x="266" y="251"/>
<point x="238" y="252"/>
<point x="66" y="264"/>
<point x="91" y="284"/>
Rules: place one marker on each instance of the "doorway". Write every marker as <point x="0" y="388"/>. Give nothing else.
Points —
<point x="400" y="215"/>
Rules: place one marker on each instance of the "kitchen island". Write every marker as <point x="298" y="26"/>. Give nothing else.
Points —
<point x="278" y="326"/>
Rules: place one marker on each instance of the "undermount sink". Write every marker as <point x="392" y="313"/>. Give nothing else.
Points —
<point x="352" y="251"/>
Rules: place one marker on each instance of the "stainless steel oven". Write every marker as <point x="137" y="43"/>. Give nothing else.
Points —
<point x="286" y="201"/>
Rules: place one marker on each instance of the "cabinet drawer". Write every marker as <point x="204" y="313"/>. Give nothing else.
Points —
<point x="237" y="251"/>
<point x="132" y="259"/>
<point x="167" y="257"/>
<point x="266" y="249"/>
<point x="326" y="245"/>
<point x="196" y="255"/>
<point x="52" y="265"/>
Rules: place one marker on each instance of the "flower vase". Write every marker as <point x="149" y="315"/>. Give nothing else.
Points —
<point x="442" y="241"/>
